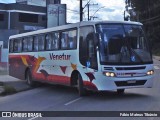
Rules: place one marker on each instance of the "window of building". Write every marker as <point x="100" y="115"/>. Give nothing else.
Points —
<point x="1" y="17"/>
<point x="44" y="18"/>
<point x="53" y="1"/>
<point x="26" y="17"/>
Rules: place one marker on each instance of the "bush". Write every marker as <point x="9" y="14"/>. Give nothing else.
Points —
<point x="8" y="90"/>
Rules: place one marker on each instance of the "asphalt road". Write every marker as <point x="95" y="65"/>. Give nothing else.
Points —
<point x="60" y="98"/>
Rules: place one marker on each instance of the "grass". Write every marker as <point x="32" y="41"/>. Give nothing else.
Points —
<point x="8" y="90"/>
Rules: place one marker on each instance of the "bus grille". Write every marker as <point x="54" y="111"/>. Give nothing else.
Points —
<point x="108" y="68"/>
<point x="125" y="83"/>
<point x="131" y="68"/>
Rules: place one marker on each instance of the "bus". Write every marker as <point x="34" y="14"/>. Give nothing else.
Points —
<point x="96" y="56"/>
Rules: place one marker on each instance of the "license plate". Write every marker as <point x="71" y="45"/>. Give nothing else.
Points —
<point x="131" y="81"/>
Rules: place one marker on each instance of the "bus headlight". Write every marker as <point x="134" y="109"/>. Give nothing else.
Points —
<point x="110" y="74"/>
<point x="150" y="72"/>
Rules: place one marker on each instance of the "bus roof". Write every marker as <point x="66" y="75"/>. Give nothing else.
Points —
<point x="69" y="26"/>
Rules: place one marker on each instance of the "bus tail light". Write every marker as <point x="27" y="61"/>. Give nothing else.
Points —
<point x="150" y="72"/>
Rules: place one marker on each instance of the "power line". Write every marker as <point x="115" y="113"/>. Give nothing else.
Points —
<point x="151" y="18"/>
<point x="73" y="11"/>
<point x="66" y="9"/>
<point x="88" y="9"/>
<point x="93" y="16"/>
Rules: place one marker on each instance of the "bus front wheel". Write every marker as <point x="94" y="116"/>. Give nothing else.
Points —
<point x="80" y="87"/>
<point x="29" y="80"/>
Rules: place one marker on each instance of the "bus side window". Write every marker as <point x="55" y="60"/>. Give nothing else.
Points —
<point x="48" y="41"/>
<point x="11" y="46"/>
<point x="55" y="41"/>
<point x="87" y="51"/>
<point x="24" y="44"/>
<point x="30" y="43"/>
<point x="64" y="40"/>
<point x="35" y="43"/>
<point x="72" y="39"/>
<point x="91" y="51"/>
<point x="17" y="45"/>
<point x="83" y="54"/>
<point x="41" y="42"/>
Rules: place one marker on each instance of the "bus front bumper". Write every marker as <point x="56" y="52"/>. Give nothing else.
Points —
<point x="106" y="83"/>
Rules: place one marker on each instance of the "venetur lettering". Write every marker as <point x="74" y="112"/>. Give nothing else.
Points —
<point x="59" y="57"/>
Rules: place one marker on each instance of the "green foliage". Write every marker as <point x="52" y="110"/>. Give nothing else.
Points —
<point x="8" y="90"/>
<point x="147" y="12"/>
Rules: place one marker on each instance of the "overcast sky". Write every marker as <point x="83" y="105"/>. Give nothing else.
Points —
<point x="106" y="9"/>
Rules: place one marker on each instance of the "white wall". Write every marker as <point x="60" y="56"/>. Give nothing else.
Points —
<point x="4" y="57"/>
<point x="56" y="15"/>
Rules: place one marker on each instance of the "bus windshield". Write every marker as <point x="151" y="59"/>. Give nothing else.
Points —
<point x="123" y="44"/>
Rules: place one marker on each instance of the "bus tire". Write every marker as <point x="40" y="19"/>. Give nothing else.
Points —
<point x="80" y="87"/>
<point x="29" y="80"/>
<point x="120" y="91"/>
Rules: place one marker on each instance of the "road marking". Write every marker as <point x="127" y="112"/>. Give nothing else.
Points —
<point x="156" y="67"/>
<point x="33" y="118"/>
<point x="70" y="102"/>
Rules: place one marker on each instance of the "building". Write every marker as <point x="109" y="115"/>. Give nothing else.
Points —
<point x="25" y="16"/>
<point x="42" y="3"/>
<point x="15" y="18"/>
<point x="22" y="19"/>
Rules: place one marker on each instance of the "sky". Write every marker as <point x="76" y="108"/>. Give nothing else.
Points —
<point x="105" y="10"/>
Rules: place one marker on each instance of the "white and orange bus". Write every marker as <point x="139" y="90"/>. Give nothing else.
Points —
<point x="98" y="56"/>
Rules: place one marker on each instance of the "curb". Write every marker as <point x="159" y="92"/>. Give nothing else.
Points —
<point x="1" y="90"/>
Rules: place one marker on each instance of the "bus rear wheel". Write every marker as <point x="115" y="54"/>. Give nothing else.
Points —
<point x="80" y="87"/>
<point x="120" y="91"/>
<point x="29" y="80"/>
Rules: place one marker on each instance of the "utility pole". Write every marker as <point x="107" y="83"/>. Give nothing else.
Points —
<point x="88" y="10"/>
<point x="81" y="11"/>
